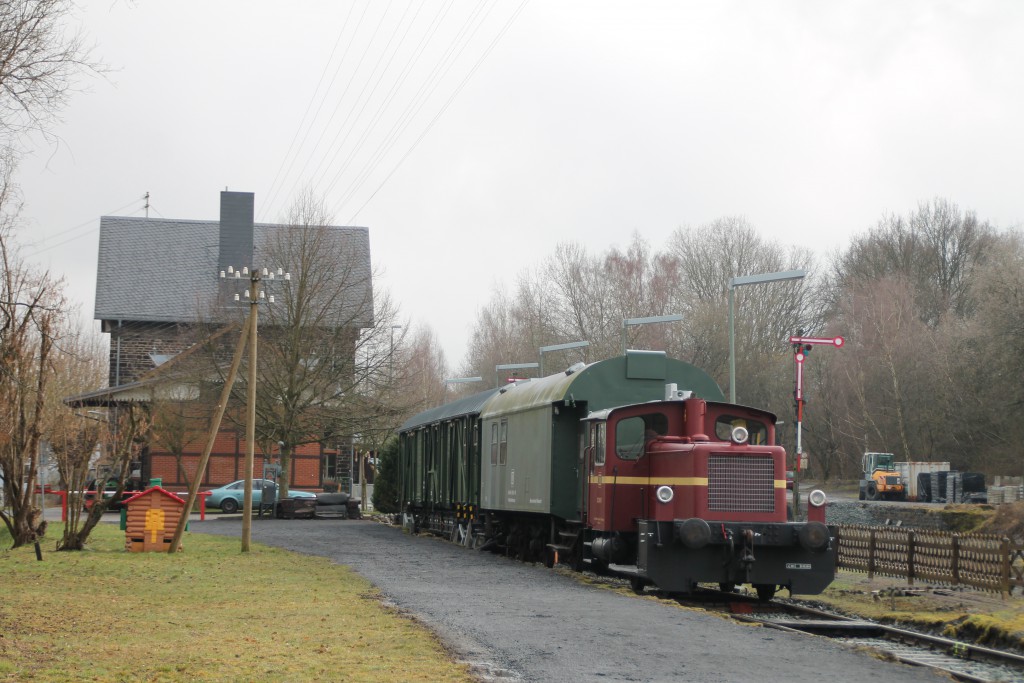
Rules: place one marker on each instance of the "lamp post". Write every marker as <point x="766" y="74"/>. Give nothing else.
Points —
<point x="629" y="322"/>
<point x="559" y="347"/>
<point x="459" y="380"/>
<point x="512" y="366"/>
<point x="739" y="282"/>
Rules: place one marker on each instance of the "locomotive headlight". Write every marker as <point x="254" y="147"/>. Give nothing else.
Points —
<point x="817" y="498"/>
<point x="740" y="435"/>
<point x="665" y="494"/>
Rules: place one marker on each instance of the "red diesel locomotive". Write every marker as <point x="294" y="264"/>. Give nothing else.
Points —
<point x="634" y="463"/>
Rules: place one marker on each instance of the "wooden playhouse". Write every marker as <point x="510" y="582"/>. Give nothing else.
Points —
<point x="151" y="520"/>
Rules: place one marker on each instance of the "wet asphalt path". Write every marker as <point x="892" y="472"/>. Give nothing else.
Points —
<point x="513" y="621"/>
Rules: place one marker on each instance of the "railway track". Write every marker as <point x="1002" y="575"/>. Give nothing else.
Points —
<point x="961" y="661"/>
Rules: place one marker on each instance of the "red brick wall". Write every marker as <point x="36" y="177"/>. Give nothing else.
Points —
<point x="227" y="463"/>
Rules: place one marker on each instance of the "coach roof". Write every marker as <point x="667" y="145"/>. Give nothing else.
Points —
<point x="637" y="377"/>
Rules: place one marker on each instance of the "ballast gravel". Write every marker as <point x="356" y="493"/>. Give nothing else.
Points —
<point x="520" y="622"/>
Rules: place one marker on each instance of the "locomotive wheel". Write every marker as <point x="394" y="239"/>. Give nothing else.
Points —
<point x="765" y="591"/>
<point x="549" y="558"/>
<point x="598" y="566"/>
<point x="872" y="491"/>
<point x="637" y="583"/>
<point x="727" y="587"/>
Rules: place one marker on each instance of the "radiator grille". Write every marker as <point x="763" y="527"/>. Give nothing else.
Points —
<point x="741" y="483"/>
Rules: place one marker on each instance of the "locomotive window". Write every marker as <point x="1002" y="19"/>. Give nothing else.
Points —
<point x="633" y="433"/>
<point x="599" y="443"/>
<point x="494" y="443"/>
<point x="503" y="443"/>
<point x="757" y="430"/>
<point x="629" y="438"/>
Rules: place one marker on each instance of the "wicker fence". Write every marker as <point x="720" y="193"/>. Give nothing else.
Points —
<point x="982" y="561"/>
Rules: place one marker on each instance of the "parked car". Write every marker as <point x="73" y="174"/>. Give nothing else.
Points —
<point x="229" y="497"/>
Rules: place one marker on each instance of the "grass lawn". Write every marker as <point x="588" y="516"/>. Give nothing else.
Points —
<point x="209" y="613"/>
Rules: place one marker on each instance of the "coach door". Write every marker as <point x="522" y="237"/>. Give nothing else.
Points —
<point x="596" y="457"/>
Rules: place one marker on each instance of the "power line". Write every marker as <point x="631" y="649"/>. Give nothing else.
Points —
<point x="272" y="193"/>
<point x="443" y="109"/>
<point x="353" y="137"/>
<point x="80" y="225"/>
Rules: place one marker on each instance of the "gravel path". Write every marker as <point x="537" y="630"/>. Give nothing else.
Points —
<point x="518" y="622"/>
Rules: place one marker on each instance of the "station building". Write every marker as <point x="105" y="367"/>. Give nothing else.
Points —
<point x="162" y="299"/>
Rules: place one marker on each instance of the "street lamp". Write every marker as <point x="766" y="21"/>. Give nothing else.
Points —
<point x="512" y="366"/>
<point x="739" y="282"/>
<point x="559" y="347"/>
<point x="628" y="322"/>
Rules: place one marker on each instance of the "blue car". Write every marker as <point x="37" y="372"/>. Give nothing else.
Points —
<point x="229" y="497"/>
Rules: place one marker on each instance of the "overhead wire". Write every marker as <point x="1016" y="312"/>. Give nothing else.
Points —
<point x="341" y="98"/>
<point x="417" y="52"/>
<point x="420" y="98"/>
<point x="91" y="221"/>
<point x="355" y="132"/>
<point x="274" y="188"/>
<point x="443" y="109"/>
<point x="359" y="98"/>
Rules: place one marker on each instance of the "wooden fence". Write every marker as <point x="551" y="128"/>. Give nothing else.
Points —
<point x="984" y="561"/>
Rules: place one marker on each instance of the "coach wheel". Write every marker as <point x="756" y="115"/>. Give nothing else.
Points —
<point x="765" y="591"/>
<point x="637" y="583"/>
<point x="229" y="506"/>
<point x="549" y="557"/>
<point x="727" y="587"/>
<point x="872" y="491"/>
<point x="598" y="566"/>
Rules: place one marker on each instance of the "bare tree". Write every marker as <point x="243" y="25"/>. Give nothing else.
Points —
<point x="423" y="368"/>
<point x="937" y="247"/>
<point x="74" y="436"/>
<point x="124" y="435"/>
<point x="324" y="343"/>
<point x="40" y="61"/>
<point x="31" y="318"/>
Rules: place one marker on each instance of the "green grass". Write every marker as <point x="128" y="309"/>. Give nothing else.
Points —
<point x="209" y="613"/>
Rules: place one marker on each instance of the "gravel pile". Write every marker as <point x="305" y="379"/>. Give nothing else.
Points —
<point x="849" y="513"/>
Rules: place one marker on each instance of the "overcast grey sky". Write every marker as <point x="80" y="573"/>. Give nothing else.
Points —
<point x="471" y="138"/>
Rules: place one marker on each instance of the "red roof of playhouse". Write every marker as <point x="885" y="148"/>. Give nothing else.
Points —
<point x="157" y="489"/>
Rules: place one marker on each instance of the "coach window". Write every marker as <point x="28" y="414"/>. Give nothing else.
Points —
<point x="494" y="443"/>
<point x="503" y="443"/>
<point x="599" y="431"/>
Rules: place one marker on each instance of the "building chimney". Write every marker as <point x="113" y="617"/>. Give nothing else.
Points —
<point x="236" y="228"/>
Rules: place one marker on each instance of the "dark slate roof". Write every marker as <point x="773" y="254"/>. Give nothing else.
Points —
<point x="165" y="270"/>
<point x="470" y="405"/>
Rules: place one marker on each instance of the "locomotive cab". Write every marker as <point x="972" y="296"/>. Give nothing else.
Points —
<point x="694" y="491"/>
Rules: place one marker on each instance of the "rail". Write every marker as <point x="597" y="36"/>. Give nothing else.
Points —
<point x="984" y="561"/>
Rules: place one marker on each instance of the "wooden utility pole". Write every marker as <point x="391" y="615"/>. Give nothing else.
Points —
<point x="250" y="426"/>
<point x="225" y="394"/>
